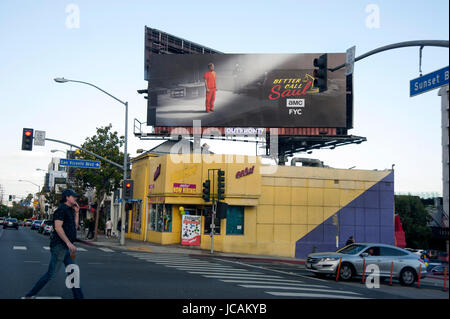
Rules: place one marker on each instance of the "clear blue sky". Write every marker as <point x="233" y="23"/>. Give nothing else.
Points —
<point x="108" y="50"/>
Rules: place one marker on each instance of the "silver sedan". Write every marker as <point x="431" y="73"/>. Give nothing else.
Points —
<point x="405" y="269"/>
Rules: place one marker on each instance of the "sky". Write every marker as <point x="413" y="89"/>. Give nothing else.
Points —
<point x="102" y="42"/>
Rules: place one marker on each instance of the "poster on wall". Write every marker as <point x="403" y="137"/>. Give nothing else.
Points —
<point x="190" y="230"/>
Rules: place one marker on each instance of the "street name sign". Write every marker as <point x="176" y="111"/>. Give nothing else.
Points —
<point x="79" y="163"/>
<point x="428" y="82"/>
<point x="350" y="60"/>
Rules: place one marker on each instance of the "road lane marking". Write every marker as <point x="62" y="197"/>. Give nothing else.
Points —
<point x="300" y="288"/>
<point x="270" y="281"/>
<point x="207" y="268"/>
<point x="20" y="248"/>
<point x="228" y="274"/>
<point x="81" y="249"/>
<point x="296" y="294"/>
<point x="218" y="272"/>
<point x="181" y="259"/>
<point x="234" y="276"/>
<point x="46" y="248"/>
<point x="107" y="250"/>
<point x="268" y="269"/>
<point x="261" y="279"/>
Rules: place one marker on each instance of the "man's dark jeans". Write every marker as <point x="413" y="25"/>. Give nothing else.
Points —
<point x="60" y="254"/>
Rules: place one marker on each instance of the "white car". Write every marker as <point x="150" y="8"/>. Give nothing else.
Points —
<point x="406" y="264"/>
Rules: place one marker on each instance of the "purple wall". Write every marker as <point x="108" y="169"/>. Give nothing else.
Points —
<point x="368" y="218"/>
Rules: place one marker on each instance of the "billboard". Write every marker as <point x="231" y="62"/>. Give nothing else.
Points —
<point x="245" y="90"/>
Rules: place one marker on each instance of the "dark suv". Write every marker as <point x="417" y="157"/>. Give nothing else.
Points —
<point x="11" y="223"/>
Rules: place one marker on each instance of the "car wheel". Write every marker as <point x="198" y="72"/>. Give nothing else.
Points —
<point x="407" y="277"/>
<point x="346" y="272"/>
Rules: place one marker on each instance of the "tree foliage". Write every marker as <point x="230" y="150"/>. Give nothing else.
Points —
<point x="105" y="143"/>
<point x="414" y="218"/>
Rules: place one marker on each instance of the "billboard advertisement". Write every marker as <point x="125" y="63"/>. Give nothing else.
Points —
<point x="245" y="90"/>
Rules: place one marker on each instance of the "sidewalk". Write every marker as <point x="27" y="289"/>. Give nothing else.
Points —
<point x="136" y="245"/>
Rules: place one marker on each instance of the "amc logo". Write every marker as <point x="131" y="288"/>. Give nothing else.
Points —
<point x="295" y="102"/>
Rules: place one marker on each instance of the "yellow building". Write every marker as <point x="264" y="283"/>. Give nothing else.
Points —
<point x="272" y="210"/>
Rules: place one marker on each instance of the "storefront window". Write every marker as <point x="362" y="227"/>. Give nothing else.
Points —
<point x="208" y="219"/>
<point x="160" y="217"/>
<point x="235" y="220"/>
<point x="136" y="218"/>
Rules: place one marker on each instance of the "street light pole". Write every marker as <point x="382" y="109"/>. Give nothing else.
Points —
<point x="125" y="155"/>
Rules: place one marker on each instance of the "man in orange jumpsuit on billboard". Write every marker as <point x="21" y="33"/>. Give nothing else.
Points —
<point x="210" y="84"/>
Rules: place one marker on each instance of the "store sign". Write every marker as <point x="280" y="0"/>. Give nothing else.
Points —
<point x="190" y="230"/>
<point x="157" y="172"/>
<point x="245" y="172"/>
<point x="184" y="188"/>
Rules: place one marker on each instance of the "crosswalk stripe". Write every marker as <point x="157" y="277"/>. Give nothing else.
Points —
<point x="218" y="272"/>
<point x="180" y="260"/>
<point x="299" y="288"/>
<point x="234" y="276"/>
<point x="228" y="274"/>
<point x="204" y="268"/>
<point x="107" y="250"/>
<point x="182" y="264"/>
<point x="293" y="283"/>
<point x="81" y="249"/>
<point x="296" y="294"/>
<point x="261" y="280"/>
<point x="20" y="248"/>
<point x="46" y="248"/>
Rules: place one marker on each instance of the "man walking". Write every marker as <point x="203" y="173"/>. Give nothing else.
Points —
<point x="65" y="222"/>
<point x="210" y="85"/>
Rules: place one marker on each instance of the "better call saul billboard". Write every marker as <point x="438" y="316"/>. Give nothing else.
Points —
<point x="245" y="90"/>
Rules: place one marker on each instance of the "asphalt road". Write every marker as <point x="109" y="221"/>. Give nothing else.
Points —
<point x="110" y="273"/>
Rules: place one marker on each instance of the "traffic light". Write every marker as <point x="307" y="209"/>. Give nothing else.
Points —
<point x="206" y="190"/>
<point x="320" y="74"/>
<point x="221" y="185"/>
<point x="27" y="139"/>
<point x="128" y="189"/>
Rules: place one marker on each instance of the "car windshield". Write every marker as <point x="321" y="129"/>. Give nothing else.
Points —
<point x="12" y="220"/>
<point x="351" y="249"/>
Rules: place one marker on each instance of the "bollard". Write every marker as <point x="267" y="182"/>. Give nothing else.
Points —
<point x="364" y="270"/>
<point x="420" y="270"/>
<point x="339" y="269"/>
<point x="392" y="269"/>
<point x="445" y="278"/>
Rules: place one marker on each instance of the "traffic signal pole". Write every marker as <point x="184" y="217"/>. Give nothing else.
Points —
<point x="419" y="43"/>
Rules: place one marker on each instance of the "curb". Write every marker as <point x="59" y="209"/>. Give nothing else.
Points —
<point x="248" y="258"/>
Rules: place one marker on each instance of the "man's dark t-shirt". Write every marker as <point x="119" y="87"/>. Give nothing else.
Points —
<point x="67" y="215"/>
